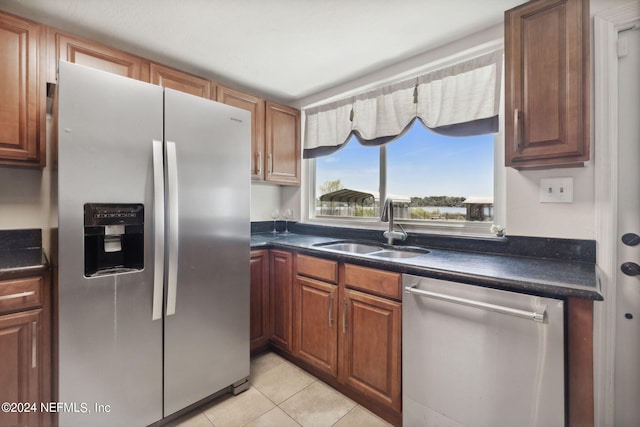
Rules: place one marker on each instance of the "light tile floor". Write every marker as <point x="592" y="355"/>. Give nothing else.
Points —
<point x="281" y="395"/>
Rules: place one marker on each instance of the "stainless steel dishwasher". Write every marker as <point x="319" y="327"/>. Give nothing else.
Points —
<point x="475" y="356"/>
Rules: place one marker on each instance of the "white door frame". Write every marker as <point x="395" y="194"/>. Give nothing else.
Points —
<point x="606" y="25"/>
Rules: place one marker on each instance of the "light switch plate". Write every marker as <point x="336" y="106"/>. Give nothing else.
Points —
<point x="556" y="190"/>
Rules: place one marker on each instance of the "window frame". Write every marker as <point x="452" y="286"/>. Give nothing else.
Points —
<point x="473" y="228"/>
<point x="430" y="226"/>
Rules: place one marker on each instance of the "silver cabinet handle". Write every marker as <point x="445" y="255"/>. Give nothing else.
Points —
<point x="344" y="316"/>
<point x="259" y="168"/>
<point x="270" y="161"/>
<point x="172" y="271"/>
<point x="531" y="315"/>
<point x="516" y="117"/>
<point x="330" y="309"/>
<point x="34" y="344"/>
<point x="18" y="295"/>
<point x="158" y="225"/>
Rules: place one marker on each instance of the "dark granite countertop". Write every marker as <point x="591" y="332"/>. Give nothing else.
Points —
<point x="556" y="278"/>
<point x="21" y="253"/>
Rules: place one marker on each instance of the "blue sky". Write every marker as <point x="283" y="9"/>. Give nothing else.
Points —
<point x="420" y="163"/>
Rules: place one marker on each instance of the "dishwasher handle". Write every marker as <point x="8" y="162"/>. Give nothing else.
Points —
<point x="531" y="315"/>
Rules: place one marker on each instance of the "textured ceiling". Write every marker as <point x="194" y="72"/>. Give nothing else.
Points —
<point x="286" y="49"/>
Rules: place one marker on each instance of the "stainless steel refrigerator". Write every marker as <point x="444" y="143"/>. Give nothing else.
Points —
<point x="153" y="254"/>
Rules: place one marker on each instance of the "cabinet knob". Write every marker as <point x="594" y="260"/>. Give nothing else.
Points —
<point x="630" y="239"/>
<point x="630" y="269"/>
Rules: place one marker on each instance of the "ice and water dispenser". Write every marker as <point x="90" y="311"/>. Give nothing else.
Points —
<point x="113" y="238"/>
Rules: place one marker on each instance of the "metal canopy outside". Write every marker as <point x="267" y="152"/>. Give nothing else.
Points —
<point x="345" y="202"/>
<point x="348" y="196"/>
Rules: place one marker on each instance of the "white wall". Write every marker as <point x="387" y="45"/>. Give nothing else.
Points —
<point x="264" y="198"/>
<point x="25" y="196"/>
<point x="526" y="216"/>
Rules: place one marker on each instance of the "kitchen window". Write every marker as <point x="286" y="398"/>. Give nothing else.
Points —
<point x="428" y="143"/>
<point x="432" y="179"/>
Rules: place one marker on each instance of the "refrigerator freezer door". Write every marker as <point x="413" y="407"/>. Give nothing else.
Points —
<point x="207" y="323"/>
<point x="109" y="346"/>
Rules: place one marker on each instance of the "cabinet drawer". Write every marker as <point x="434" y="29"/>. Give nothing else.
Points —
<point x="20" y="294"/>
<point x="379" y="282"/>
<point x="317" y="268"/>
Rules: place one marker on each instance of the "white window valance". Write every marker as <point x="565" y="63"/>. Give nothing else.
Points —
<point x="459" y="100"/>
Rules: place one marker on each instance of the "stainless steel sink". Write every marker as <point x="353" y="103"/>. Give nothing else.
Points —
<point x="353" y="247"/>
<point x="399" y="253"/>
<point x="371" y="249"/>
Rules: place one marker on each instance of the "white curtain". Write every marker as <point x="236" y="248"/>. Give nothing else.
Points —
<point x="459" y="100"/>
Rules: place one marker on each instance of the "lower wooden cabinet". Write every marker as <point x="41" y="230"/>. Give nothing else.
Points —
<point x="25" y="351"/>
<point x="340" y="321"/>
<point x="281" y="281"/>
<point x="371" y="347"/>
<point x="260" y="320"/>
<point x="345" y="326"/>
<point x="315" y="323"/>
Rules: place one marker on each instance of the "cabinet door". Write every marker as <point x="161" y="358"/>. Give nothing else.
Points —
<point x="95" y="55"/>
<point x="181" y="81"/>
<point x="20" y="337"/>
<point x="547" y="83"/>
<point x="22" y="138"/>
<point x="371" y="347"/>
<point x="315" y="307"/>
<point x="254" y="105"/>
<point x="259" y="299"/>
<point x="282" y="144"/>
<point x="281" y="275"/>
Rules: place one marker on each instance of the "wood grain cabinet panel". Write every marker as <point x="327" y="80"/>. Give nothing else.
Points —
<point x="260" y="330"/>
<point x="255" y="106"/>
<point x="547" y="83"/>
<point x="282" y="144"/>
<point x="317" y="268"/>
<point x="371" y="343"/>
<point x="22" y="110"/>
<point x="180" y="81"/>
<point x="19" y="336"/>
<point x="384" y="283"/>
<point x="281" y="278"/>
<point x="25" y="349"/>
<point x="101" y="57"/>
<point x="315" y="323"/>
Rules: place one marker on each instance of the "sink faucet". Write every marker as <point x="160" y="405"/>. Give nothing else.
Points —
<point x="387" y="216"/>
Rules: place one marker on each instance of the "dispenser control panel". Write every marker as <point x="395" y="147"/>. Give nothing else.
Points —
<point x="113" y="238"/>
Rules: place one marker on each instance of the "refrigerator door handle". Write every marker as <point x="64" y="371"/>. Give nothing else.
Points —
<point x="172" y="183"/>
<point x="158" y="223"/>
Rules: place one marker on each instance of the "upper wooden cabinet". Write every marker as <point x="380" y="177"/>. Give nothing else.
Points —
<point x="254" y="105"/>
<point x="282" y="144"/>
<point x="181" y="81"/>
<point x="96" y="55"/>
<point x="275" y="137"/>
<point x="30" y="54"/>
<point x="547" y="83"/>
<point x="22" y="92"/>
